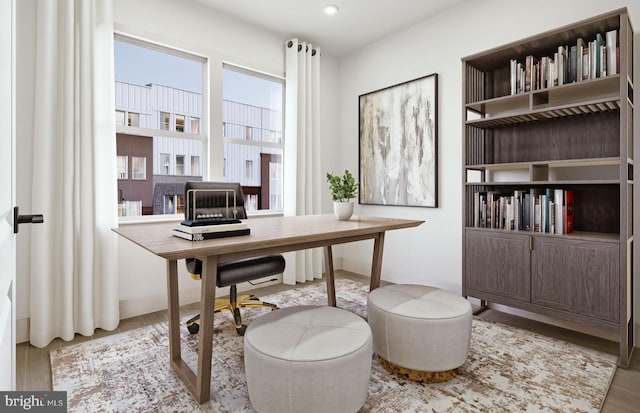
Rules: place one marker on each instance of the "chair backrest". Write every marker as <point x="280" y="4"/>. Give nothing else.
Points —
<point x="208" y="199"/>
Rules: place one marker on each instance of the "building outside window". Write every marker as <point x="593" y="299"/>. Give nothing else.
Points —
<point x="253" y="130"/>
<point x="179" y="123"/>
<point x="138" y="167"/>
<point x="165" y="120"/>
<point x="181" y="90"/>
<point x="179" y="164"/>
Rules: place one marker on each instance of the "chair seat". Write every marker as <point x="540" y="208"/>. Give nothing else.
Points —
<point x="236" y="272"/>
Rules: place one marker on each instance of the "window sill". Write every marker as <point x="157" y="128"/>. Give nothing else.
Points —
<point x="150" y="219"/>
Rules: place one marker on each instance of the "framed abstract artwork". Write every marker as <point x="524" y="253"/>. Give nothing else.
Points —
<point x="399" y="144"/>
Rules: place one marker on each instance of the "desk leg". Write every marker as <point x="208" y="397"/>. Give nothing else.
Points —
<point x="205" y="343"/>
<point x="199" y="385"/>
<point x="331" y="286"/>
<point x="376" y="266"/>
<point x="174" y="311"/>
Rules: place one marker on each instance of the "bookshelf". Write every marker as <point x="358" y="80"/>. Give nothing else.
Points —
<point x="559" y="136"/>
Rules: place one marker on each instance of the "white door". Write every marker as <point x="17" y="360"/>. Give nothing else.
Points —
<point x="7" y="198"/>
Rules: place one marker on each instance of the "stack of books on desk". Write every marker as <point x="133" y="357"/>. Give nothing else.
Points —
<point x="195" y="231"/>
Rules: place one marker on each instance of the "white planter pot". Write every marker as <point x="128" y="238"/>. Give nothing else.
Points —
<point x="343" y="210"/>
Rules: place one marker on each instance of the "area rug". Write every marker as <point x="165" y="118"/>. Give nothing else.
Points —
<point x="507" y="369"/>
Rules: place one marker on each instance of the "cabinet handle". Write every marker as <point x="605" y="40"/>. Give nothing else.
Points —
<point x="530" y="243"/>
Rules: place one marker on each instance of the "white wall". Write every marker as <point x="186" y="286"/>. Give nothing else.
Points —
<point x="431" y="253"/>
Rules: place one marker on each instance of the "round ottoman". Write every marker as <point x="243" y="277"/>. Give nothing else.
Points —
<point x="308" y="359"/>
<point x="420" y="332"/>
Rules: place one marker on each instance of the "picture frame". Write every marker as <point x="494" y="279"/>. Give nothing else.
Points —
<point x="398" y="144"/>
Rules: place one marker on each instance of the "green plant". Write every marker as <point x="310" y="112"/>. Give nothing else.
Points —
<point x="343" y="188"/>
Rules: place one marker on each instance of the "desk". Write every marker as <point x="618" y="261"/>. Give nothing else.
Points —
<point x="271" y="235"/>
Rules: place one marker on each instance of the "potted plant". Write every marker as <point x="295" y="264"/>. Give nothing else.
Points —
<point x="343" y="190"/>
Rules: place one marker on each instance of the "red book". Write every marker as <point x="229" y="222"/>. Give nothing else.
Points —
<point x="568" y="199"/>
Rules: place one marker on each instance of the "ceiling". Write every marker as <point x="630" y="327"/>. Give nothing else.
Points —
<point x="357" y="23"/>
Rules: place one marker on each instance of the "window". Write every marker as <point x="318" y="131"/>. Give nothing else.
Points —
<point x="179" y="164"/>
<point x="165" y="120"/>
<point x="253" y="129"/>
<point x="179" y="123"/>
<point x="123" y="167"/>
<point x="150" y="72"/>
<point x="248" y="172"/>
<point x="165" y="164"/>
<point x="138" y="167"/>
<point x="195" y="125"/>
<point x="119" y="117"/>
<point x="195" y="166"/>
<point x="133" y="119"/>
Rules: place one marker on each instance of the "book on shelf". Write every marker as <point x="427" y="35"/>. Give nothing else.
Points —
<point x="534" y="195"/>
<point x="526" y="212"/>
<point x="569" y="206"/>
<point x="537" y="214"/>
<point x="209" y="235"/>
<point x="201" y="229"/>
<point x="598" y="46"/>
<point x="579" y="59"/>
<point x="548" y="223"/>
<point x="583" y="60"/>
<point x="558" y="198"/>
<point x="476" y="209"/>
<point x="543" y="210"/>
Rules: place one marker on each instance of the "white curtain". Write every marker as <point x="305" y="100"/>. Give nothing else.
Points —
<point x="74" y="278"/>
<point x="302" y="180"/>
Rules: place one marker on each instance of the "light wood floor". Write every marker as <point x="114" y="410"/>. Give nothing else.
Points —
<point x="34" y="372"/>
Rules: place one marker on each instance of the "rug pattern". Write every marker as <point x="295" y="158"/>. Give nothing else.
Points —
<point x="507" y="370"/>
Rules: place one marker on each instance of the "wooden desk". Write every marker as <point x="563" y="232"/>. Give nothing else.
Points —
<point x="268" y="236"/>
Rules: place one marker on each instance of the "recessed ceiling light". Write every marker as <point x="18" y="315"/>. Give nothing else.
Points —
<point x="330" y="9"/>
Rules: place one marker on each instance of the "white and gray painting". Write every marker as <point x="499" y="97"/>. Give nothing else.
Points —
<point x="398" y="144"/>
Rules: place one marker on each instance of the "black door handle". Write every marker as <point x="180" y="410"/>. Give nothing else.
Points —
<point x="25" y="219"/>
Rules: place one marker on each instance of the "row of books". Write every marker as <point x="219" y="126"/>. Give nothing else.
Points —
<point x="538" y="210"/>
<point x="200" y="233"/>
<point x="582" y="61"/>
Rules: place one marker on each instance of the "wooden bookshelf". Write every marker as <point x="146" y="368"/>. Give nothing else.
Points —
<point x="576" y="136"/>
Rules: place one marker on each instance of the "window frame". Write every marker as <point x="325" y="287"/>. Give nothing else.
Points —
<point x="211" y="133"/>
<point x="203" y="135"/>
<point x="133" y="169"/>
<point x="248" y="138"/>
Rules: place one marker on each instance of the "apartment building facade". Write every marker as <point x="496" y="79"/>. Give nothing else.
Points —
<point x="168" y="148"/>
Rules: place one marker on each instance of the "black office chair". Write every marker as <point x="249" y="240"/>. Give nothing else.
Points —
<point x="230" y="274"/>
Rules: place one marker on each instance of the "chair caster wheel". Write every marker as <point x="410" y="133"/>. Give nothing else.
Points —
<point x="240" y="330"/>
<point x="193" y="328"/>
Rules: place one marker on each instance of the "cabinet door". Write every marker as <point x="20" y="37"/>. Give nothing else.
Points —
<point x="498" y="263"/>
<point x="576" y="276"/>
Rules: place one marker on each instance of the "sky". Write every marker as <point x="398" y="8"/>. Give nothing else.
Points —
<point x="141" y="66"/>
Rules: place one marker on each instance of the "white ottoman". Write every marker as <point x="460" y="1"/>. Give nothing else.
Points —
<point x="308" y="359"/>
<point x="419" y="331"/>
